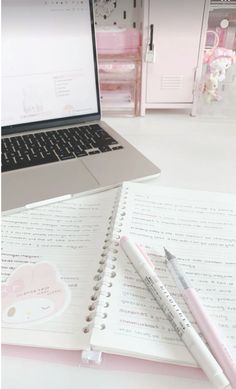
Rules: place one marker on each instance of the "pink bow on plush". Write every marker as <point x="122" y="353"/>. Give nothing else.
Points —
<point x="13" y="287"/>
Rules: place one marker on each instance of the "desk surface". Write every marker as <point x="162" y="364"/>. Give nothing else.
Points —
<point x="195" y="153"/>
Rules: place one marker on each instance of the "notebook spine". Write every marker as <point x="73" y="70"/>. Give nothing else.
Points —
<point x="98" y="308"/>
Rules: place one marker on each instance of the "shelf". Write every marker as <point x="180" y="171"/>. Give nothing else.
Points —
<point x="223" y="5"/>
<point x="120" y="78"/>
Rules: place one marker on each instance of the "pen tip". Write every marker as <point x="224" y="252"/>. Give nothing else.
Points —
<point x="168" y="255"/>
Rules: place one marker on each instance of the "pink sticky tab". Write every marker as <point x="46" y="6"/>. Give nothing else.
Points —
<point x="33" y="293"/>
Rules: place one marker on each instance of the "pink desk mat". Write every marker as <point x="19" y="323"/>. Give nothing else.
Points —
<point x="109" y="362"/>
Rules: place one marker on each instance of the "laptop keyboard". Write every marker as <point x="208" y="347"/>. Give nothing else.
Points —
<point x="58" y="145"/>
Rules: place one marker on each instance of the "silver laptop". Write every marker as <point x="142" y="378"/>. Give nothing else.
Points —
<point x="53" y="142"/>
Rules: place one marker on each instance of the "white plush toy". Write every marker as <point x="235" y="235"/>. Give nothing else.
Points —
<point x="218" y="60"/>
<point x="219" y="67"/>
<point x="211" y="88"/>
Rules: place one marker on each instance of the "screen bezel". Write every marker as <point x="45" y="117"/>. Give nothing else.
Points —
<point x="43" y="124"/>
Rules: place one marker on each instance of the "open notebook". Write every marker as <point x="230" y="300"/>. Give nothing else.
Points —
<point x="68" y="285"/>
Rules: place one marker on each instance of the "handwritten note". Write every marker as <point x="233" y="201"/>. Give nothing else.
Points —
<point x="71" y="224"/>
<point x="198" y="228"/>
<point x="70" y="236"/>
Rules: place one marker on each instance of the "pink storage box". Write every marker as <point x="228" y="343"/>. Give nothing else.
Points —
<point x="114" y="40"/>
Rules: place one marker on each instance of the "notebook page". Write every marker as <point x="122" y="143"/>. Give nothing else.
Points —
<point x="75" y="223"/>
<point x="199" y="228"/>
<point x="70" y="237"/>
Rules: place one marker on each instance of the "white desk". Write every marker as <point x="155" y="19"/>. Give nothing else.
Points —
<point x="192" y="153"/>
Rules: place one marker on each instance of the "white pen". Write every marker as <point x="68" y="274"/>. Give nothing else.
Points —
<point x="211" y="332"/>
<point x="182" y="326"/>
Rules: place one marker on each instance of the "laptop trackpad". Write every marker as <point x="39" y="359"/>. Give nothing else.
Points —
<point x="21" y="187"/>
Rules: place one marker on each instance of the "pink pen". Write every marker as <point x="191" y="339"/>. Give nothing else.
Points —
<point x="210" y="331"/>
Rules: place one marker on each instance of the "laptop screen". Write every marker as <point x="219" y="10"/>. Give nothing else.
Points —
<point x="49" y="71"/>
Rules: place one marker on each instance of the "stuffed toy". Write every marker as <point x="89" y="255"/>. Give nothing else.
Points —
<point x="218" y="62"/>
<point x="211" y="88"/>
<point x="219" y="66"/>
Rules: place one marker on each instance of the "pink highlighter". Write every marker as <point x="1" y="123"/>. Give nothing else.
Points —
<point x="212" y="334"/>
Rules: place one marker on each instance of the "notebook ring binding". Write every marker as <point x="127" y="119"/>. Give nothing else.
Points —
<point x="103" y="276"/>
<point x="91" y="316"/>
<point x="106" y="271"/>
<point x="99" y="284"/>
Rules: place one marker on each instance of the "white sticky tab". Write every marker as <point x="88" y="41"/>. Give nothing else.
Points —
<point x="91" y="356"/>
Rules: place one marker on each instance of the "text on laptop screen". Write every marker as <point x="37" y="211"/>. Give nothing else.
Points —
<point x="47" y="60"/>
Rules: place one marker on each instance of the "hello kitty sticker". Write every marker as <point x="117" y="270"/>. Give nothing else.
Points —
<point x="33" y="293"/>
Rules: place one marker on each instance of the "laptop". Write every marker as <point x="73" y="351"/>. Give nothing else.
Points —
<point x="54" y="144"/>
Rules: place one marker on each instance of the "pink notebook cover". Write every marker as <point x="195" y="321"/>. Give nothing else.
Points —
<point x="109" y="361"/>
